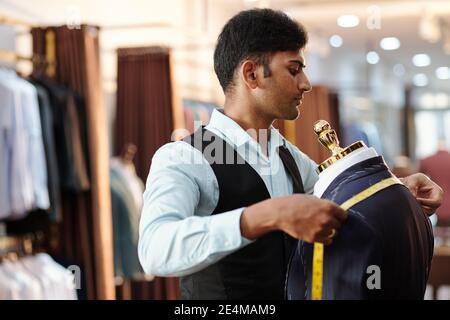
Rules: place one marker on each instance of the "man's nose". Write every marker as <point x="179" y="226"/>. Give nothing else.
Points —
<point x="304" y="83"/>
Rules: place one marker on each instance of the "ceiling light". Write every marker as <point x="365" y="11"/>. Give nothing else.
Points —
<point x="347" y="21"/>
<point x="390" y="43"/>
<point x="336" y="41"/>
<point x="421" y="60"/>
<point x="443" y="73"/>
<point x="420" y="80"/>
<point x="372" y="57"/>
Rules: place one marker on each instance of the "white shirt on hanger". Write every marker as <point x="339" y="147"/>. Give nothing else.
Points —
<point x="30" y="288"/>
<point x="23" y="180"/>
<point x="16" y="188"/>
<point x="61" y="277"/>
<point x="9" y="289"/>
<point x="36" y="277"/>
<point x="47" y="287"/>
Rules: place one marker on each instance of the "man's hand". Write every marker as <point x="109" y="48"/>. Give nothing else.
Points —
<point x="301" y="216"/>
<point x="427" y="193"/>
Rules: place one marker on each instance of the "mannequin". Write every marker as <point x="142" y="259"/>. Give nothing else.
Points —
<point x="330" y="173"/>
<point x="382" y="251"/>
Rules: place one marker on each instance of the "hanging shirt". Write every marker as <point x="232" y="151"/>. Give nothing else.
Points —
<point x="61" y="278"/>
<point x="48" y="137"/>
<point x="178" y="235"/>
<point x="70" y="138"/>
<point x="30" y="288"/>
<point x="36" y="277"/>
<point x="126" y="206"/>
<point x="16" y="189"/>
<point x="9" y="289"/>
<point x="131" y="180"/>
<point x="23" y="180"/>
<point x="36" y="154"/>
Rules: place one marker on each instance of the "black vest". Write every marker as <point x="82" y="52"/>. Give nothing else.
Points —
<point x="258" y="270"/>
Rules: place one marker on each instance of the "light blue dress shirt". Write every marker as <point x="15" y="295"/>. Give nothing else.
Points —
<point x="23" y="171"/>
<point x="177" y="233"/>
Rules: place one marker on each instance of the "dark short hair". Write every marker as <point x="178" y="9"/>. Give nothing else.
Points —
<point x="255" y="34"/>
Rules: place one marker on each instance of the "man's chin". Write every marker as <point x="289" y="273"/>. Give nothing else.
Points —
<point x="294" y="114"/>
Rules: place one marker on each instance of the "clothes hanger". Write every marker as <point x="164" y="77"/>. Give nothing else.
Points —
<point x="128" y="154"/>
<point x="13" y="248"/>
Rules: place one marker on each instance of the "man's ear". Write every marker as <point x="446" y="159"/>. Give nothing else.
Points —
<point x="249" y="74"/>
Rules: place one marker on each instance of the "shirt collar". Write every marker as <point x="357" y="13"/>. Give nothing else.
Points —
<point x="235" y="133"/>
<point x="327" y="176"/>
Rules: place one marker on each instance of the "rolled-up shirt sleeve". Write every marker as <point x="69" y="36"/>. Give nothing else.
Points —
<point x="177" y="233"/>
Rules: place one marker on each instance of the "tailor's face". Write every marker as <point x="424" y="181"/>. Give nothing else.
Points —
<point x="280" y="94"/>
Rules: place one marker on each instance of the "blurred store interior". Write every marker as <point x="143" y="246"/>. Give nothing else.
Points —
<point x="127" y="77"/>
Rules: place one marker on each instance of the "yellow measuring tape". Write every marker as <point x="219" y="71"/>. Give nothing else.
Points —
<point x="317" y="275"/>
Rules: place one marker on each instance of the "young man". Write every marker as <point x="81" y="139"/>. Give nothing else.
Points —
<point x="227" y="228"/>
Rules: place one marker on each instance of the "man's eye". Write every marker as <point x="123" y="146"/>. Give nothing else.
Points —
<point x="294" y="72"/>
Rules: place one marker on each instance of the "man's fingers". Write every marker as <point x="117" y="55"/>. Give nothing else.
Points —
<point x="325" y="234"/>
<point x="326" y="241"/>
<point x="429" y="202"/>
<point x="428" y="210"/>
<point x="329" y="231"/>
<point x="340" y="214"/>
<point x="428" y="206"/>
<point x="333" y="224"/>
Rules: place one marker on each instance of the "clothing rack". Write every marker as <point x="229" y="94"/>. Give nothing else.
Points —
<point x="48" y="61"/>
<point x="87" y="220"/>
<point x="11" y="56"/>
<point x="4" y="19"/>
<point x="29" y="273"/>
<point x="13" y="247"/>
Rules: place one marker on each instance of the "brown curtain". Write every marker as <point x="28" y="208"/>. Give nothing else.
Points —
<point x="318" y="104"/>
<point x="85" y="234"/>
<point x="145" y="117"/>
<point x="144" y="114"/>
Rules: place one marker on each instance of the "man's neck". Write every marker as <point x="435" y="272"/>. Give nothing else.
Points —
<point x="257" y="125"/>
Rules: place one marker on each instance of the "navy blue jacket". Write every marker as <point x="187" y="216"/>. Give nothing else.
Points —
<point x="388" y="230"/>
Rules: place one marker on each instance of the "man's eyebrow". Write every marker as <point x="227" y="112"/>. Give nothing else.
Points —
<point x="300" y="63"/>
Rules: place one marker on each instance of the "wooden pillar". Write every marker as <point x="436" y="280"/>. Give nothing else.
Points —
<point x="99" y="160"/>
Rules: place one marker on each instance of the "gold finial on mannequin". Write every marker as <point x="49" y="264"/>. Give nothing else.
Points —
<point x="328" y="138"/>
